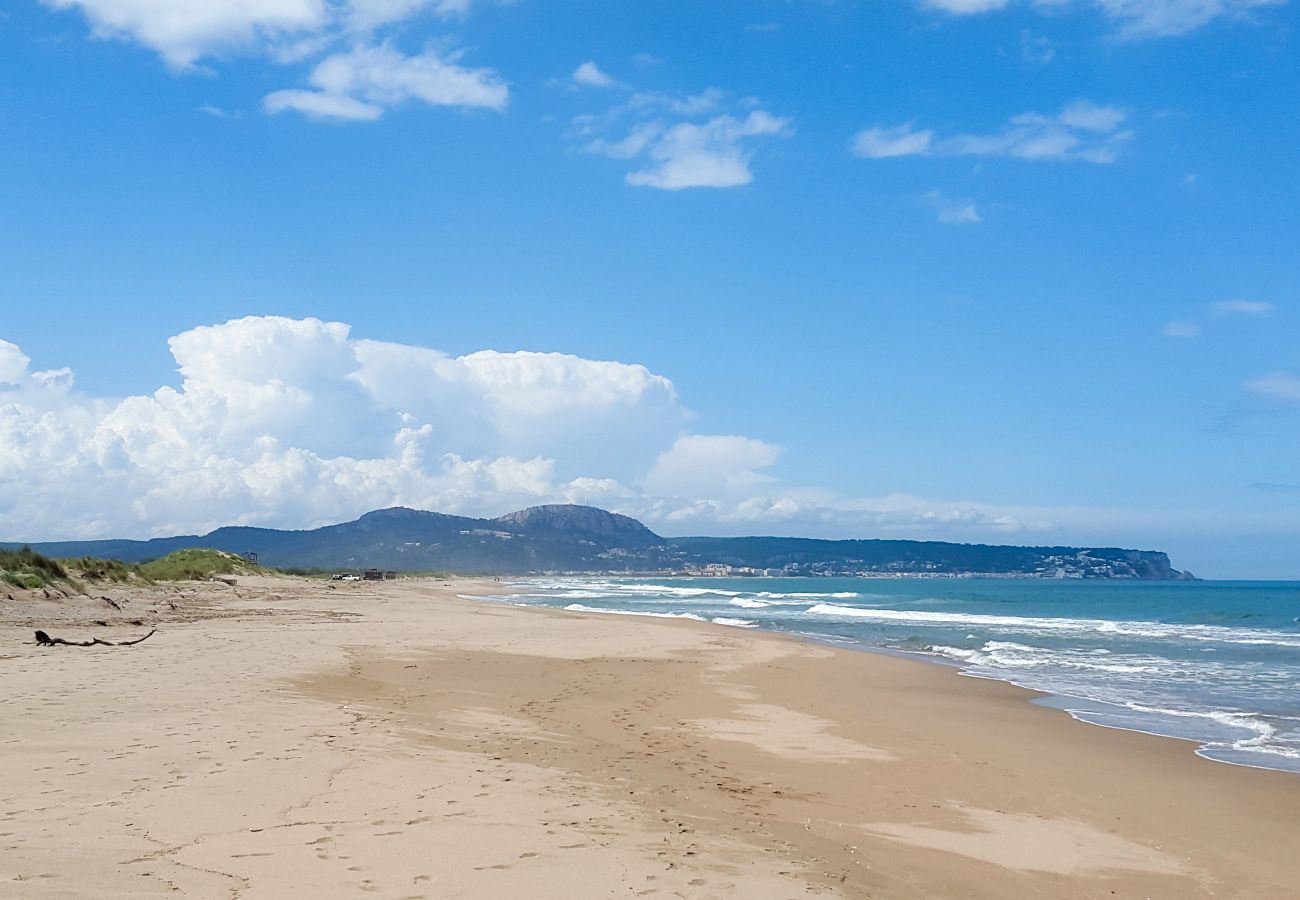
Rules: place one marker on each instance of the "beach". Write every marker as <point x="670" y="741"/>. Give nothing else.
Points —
<point x="298" y="738"/>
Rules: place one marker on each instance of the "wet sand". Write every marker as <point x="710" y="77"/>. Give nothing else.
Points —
<point x="293" y="738"/>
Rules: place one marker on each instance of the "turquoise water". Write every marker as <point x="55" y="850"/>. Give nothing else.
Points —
<point x="1213" y="662"/>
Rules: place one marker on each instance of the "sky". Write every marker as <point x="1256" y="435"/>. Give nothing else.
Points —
<point x="998" y="271"/>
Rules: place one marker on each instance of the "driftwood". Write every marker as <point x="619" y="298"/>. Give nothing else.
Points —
<point x="46" y="641"/>
<point x="111" y="602"/>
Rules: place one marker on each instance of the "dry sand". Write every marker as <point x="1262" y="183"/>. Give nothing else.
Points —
<point x="288" y="738"/>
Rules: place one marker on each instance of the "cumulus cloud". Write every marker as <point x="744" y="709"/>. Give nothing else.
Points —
<point x="1082" y="131"/>
<point x="362" y="82"/>
<point x="589" y="75"/>
<point x="297" y="423"/>
<point x="712" y="154"/>
<point x="711" y="465"/>
<point x="1132" y="18"/>
<point x="183" y="31"/>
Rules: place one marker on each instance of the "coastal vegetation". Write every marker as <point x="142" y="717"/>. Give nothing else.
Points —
<point x="25" y="568"/>
<point x="198" y="564"/>
<point x="92" y="568"/>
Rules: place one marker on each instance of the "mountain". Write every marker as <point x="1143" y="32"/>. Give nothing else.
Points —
<point x="585" y="539"/>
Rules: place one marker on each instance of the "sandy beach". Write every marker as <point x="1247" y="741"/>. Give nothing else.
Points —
<point x="295" y="738"/>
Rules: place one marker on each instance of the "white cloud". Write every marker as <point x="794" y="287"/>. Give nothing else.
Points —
<point x="1244" y="308"/>
<point x="1081" y="131"/>
<point x="359" y="84"/>
<point x="589" y="75"/>
<point x="297" y="423"/>
<point x="294" y="422"/>
<point x="361" y="78"/>
<point x="711" y="465"/>
<point x="712" y="154"/>
<point x="320" y="105"/>
<point x="1087" y="116"/>
<point x="1165" y="18"/>
<point x="631" y="145"/>
<point x="883" y="143"/>
<point x="13" y="364"/>
<point x="365" y="15"/>
<point x="966" y="7"/>
<point x="1133" y="18"/>
<point x="1181" y="328"/>
<point x="952" y="211"/>
<point x="1278" y="386"/>
<point x="697" y="140"/>
<point x="182" y="31"/>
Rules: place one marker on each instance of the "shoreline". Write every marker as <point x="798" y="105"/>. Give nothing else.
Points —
<point x="287" y="739"/>
<point x="1173" y="723"/>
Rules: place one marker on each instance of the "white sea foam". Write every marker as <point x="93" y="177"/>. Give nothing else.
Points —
<point x="1158" y="630"/>
<point x="839" y="595"/>
<point x="1118" y="682"/>
<point x="735" y="623"/>
<point x="1059" y="664"/>
<point x="749" y="603"/>
<point x="669" y="590"/>
<point x="578" y="607"/>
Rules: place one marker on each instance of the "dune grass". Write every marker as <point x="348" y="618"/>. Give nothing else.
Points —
<point x="25" y="568"/>
<point x="198" y="564"/>
<point x="92" y="568"/>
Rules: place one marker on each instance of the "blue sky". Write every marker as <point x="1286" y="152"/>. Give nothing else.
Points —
<point x="973" y="270"/>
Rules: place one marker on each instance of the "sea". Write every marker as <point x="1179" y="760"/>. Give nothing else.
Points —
<point x="1213" y="662"/>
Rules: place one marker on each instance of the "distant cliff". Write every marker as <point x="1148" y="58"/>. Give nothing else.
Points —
<point x="562" y="538"/>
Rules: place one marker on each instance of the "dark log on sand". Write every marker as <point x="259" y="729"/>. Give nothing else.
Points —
<point x="46" y="641"/>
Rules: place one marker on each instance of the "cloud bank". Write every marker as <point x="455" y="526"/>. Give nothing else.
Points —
<point x="296" y="423"/>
